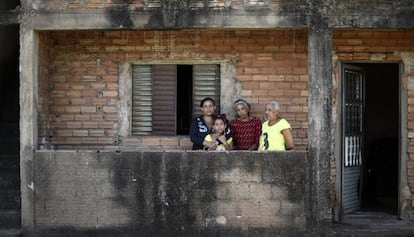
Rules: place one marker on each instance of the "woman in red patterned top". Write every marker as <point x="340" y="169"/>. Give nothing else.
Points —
<point x="245" y="130"/>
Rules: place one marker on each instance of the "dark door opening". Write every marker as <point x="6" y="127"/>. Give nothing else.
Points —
<point x="9" y="128"/>
<point x="381" y="144"/>
<point x="184" y="98"/>
<point x="370" y="140"/>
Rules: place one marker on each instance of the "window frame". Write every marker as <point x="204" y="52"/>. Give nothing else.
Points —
<point x="205" y="83"/>
<point x="228" y="79"/>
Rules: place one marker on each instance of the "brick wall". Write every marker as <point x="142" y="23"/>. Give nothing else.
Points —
<point x="178" y="193"/>
<point x="45" y="57"/>
<point x="381" y="46"/>
<point x="83" y="79"/>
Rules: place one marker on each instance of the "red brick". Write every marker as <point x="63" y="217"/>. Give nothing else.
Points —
<point x="78" y="101"/>
<point x="151" y="141"/>
<point x="87" y="109"/>
<point x="109" y="109"/>
<point x="73" y="124"/>
<point x="90" y="124"/>
<point x="267" y="85"/>
<point x="381" y="34"/>
<point x="109" y="124"/>
<point x="80" y="133"/>
<point x="96" y="132"/>
<point x="96" y="117"/>
<point x="354" y="42"/>
<point x="82" y="117"/>
<point x="169" y="141"/>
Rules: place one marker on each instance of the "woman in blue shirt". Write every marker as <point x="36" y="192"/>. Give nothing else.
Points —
<point x="202" y="125"/>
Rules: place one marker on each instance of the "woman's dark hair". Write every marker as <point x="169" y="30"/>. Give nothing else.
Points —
<point x="207" y="99"/>
<point x="222" y="118"/>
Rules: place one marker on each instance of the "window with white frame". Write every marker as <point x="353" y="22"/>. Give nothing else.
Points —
<point x="166" y="96"/>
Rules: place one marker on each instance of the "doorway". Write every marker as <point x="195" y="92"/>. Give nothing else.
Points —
<point x="370" y="137"/>
<point x="10" y="208"/>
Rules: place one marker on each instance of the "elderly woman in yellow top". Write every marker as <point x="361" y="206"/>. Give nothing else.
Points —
<point x="276" y="131"/>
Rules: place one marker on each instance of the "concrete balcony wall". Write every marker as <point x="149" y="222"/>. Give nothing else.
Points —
<point x="156" y="192"/>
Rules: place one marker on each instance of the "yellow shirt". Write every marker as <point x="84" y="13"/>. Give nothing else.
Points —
<point x="272" y="138"/>
<point x="220" y="147"/>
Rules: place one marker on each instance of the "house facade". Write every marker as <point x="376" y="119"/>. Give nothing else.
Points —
<point x="107" y="90"/>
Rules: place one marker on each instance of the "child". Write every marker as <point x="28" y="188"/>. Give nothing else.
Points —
<point x="218" y="135"/>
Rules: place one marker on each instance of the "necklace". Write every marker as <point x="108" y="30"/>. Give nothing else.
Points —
<point x="273" y="122"/>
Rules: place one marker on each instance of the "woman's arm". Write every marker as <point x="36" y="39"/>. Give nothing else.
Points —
<point x="196" y="137"/>
<point x="210" y="142"/>
<point x="226" y="144"/>
<point x="287" y="134"/>
<point x="258" y="132"/>
<point x="230" y="146"/>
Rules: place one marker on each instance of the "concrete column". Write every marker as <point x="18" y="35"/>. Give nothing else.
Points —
<point x="28" y="120"/>
<point x="320" y="113"/>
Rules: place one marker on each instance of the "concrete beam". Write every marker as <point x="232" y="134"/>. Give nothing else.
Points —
<point x="402" y="19"/>
<point x="258" y="18"/>
<point x="158" y="19"/>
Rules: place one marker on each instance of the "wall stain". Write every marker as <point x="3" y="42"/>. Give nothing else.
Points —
<point x="119" y="16"/>
<point x="178" y="192"/>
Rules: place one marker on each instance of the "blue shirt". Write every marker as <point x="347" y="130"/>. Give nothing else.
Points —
<point x="199" y="130"/>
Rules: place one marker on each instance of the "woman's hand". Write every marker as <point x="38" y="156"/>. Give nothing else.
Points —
<point x="254" y="147"/>
<point x="222" y="139"/>
<point x="210" y="145"/>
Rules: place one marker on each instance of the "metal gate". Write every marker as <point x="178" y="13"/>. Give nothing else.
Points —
<point x="352" y="136"/>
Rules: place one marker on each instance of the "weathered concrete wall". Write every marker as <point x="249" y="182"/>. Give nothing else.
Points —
<point x="140" y="14"/>
<point x="178" y="192"/>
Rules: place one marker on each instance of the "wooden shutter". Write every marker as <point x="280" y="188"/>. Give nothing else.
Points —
<point x="206" y="83"/>
<point x="154" y="96"/>
<point x="141" y="100"/>
<point x="164" y="90"/>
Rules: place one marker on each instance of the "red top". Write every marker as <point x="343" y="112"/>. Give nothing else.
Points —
<point x="245" y="134"/>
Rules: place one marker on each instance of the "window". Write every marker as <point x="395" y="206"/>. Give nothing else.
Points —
<point x="165" y="96"/>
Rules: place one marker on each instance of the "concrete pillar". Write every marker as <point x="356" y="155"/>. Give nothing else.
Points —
<point x="320" y="113"/>
<point x="28" y="120"/>
<point x="319" y="133"/>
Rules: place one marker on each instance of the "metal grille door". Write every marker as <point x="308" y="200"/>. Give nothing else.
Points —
<point x="353" y="84"/>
